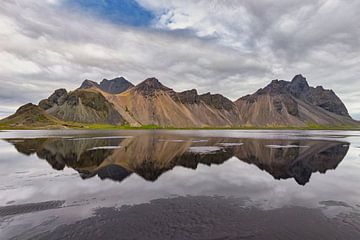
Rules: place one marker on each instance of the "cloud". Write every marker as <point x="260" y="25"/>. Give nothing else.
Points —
<point x="231" y="47"/>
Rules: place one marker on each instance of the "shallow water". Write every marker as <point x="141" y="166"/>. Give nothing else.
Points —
<point x="180" y="184"/>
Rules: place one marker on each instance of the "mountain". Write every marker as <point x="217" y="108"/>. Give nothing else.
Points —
<point x="30" y="115"/>
<point x="152" y="103"/>
<point x="114" y="86"/>
<point x="293" y="103"/>
<point x="81" y="105"/>
<point x="118" y="102"/>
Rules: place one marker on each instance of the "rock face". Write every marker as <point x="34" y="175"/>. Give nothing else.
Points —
<point x="57" y="98"/>
<point x="187" y="97"/>
<point x="82" y="105"/>
<point x="318" y="96"/>
<point x="152" y="103"/>
<point x="293" y="103"/>
<point x="217" y="101"/>
<point x="150" y="86"/>
<point x="113" y="86"/>
<point x="280" y="104"/>
<point x="88" y="84"/>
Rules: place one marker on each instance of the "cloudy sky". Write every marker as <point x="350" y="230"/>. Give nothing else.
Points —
<point x="232" y="47"/>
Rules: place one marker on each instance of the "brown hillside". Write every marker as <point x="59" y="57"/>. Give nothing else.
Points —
<point x="151" y="103"/>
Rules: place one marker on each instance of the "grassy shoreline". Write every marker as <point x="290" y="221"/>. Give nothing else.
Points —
<point x="77" y="126"/>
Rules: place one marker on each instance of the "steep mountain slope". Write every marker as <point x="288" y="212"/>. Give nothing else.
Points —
<point x="114" y="86"/>
<point x="295" y="103"/>
<point x="150" y="102"/>
<point x="82" y="105"/>
<point x="30" y="115"/>
<point x="118" y="102"/>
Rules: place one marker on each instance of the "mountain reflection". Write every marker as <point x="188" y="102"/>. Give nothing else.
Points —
<point x="151" y="155"/>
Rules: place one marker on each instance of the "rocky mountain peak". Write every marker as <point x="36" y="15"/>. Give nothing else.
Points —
<point x="57" y="98"/>
<point x="152" y="82"/>
<point x="114" y="80"/>
<point x="298" y="85"/>
<point x="299" y="79"/>
<point x="217" y="101"/>
<point x="113" y="86"/>
<point x="188" y="96"/>
<point x="286" y="92"/>
<point x="116" y="85"/>
<point x="150" y="85"/>
<point x="275" y="87"/>
<point x="27" y="107"/>
<point x="88" y="84"/>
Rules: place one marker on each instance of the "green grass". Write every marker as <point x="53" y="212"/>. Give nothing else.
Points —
<point x="115" y="127"/>
<point x="152" y="127"/>
<point x="85" y="126"/>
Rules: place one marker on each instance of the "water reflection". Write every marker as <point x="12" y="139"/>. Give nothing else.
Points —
<point x="150" y="155"/>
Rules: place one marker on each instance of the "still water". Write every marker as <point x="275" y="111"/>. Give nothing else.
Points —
<point x="179" y="184"/>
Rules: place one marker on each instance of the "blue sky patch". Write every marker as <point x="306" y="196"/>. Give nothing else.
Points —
<point x="127" y="12"/>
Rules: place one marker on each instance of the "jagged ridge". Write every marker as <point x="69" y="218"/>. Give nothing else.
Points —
<point x="293" y="103"/>
<point x="117" y="101"/>
<point x="113" y="86"/>
<point x="81" y="105"/>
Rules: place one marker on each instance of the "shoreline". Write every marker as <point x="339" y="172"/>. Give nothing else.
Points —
<point x="153" y="127"/>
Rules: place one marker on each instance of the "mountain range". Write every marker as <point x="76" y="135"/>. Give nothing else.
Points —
<point x="118" y="102"/>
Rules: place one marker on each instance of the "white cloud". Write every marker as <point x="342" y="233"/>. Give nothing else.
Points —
<point x="12" y="64"/>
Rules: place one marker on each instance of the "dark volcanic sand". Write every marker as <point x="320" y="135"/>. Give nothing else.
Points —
<point x="29" y="207"/>
<point x="204" y="218"/>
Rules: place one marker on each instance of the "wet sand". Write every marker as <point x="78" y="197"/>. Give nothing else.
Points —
<point x="29" y="208"/>
<point x="204" y="218"/>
